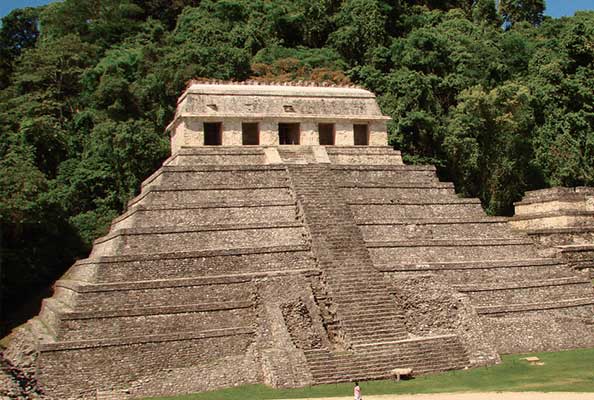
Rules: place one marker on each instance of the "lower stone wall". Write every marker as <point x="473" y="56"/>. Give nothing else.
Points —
<point x="78" y="373"/>
<point x="541" y="330"/>
<point x="201" y="377"/>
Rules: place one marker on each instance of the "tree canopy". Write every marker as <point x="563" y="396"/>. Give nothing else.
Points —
<point x="496" y="95"/>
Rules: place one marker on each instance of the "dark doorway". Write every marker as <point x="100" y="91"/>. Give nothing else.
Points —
<point x="288" y="134"/>
<point x="213" y="134"/>
<point x="361" y="134"/>
<point x="250" y="134"/>
<point x="327" y="134"/>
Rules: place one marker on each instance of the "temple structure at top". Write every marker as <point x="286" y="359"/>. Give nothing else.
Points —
<point x="269" y="115"/>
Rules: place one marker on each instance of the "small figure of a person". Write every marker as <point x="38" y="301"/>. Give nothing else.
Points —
<point x="357" y="392"/>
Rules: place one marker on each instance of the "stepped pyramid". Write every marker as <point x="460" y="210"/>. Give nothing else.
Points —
<point x="284" y="243"/>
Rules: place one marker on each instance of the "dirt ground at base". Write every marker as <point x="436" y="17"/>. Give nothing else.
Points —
<point x="475" y="396"/>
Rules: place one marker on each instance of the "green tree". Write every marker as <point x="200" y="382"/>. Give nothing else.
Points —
<point x="18" y="32"/>
<point x="44" y="97"/>
<point x="361" y="27"/>
<point x="485" y="12"/>
<point x="514" y="11"/>
<point x="487" y="143"/>
<point x="102" y="22"/>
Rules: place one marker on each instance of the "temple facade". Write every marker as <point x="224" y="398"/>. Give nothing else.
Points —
<point x="271" y="115"/>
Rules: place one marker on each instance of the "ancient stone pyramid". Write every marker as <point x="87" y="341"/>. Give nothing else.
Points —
<point x="294" y="265"/>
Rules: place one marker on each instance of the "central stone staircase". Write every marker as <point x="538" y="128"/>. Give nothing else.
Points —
<point x="372" y="327"/>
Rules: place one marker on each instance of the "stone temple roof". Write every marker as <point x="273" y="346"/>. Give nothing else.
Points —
<point x="278" y="101"/>
<point x="278" y="90"/>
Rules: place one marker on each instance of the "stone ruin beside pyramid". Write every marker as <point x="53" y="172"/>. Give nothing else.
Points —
<point x="284" y="243"/>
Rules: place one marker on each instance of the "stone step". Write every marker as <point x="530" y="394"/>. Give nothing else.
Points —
<point x="384" y="315"/>
<point x="580" y="256"/>
<point x="348" y="314"/>
<point x="562" y="194"/>
<point x="530" y="291"/>
<point x="217" y="175"/>
<point x="296" y="154"/>
<point x="387" y="175"/>
<point x="536" y="306"/>
<point x="349" y="288"/>
<point x="377" y="376"/>
<point x="365" y="327"/>
<point x="221" y="180"/>
<point x="354" y="156"/>
<point x="419" y="343"/>
<point x="380" y="327"/>
<point x="324" y="369"/>
<point x="122" y="394"/>
<point x="380" y="167"/>
<point x="383" y="372"/>
<point x="331" y="366"/>
<point x="224" y="155"/>
<point x="140" y="216"/>
<point x="459" y="272"/>
<point x="382" y="212"/>
<point x="562" y="236"/>
<point x="399" y="194"/>
<point x="427" y="251"/>
<point x="117" y="323"/>
<point x="423" y="355"/>
<point x="365" y="303"/>
<point x="564" y="217"/>
<point x="184" y="194"/>
<point x="192" y="264"/>
<point x="396" y="334"/>
<point x="364" y="186"/>
<point x="371" y="149"/>
<point x="379" y="295"/>
<point x="157" y="293"/>
<point x="420" y="201"/>
<point x="176" y="239"/>
<point x="462" y="265"/>
<point x="439" y="229"/>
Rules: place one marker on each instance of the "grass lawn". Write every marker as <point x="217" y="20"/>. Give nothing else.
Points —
<point x="566" y="371"/>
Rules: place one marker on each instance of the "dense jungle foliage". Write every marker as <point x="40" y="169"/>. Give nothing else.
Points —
<point x="499" y="98"/>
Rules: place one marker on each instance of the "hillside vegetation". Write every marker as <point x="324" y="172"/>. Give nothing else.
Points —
<point x="501" y="100"/>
